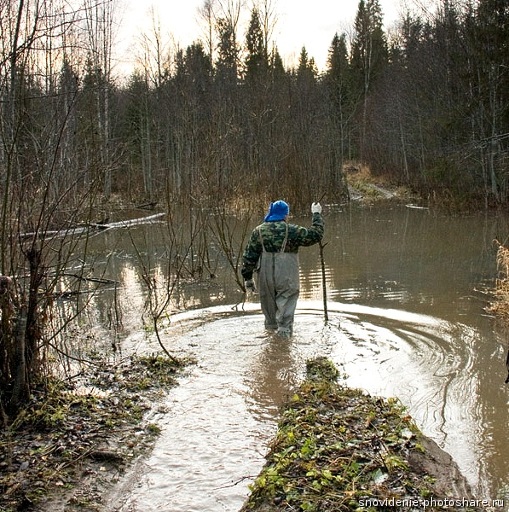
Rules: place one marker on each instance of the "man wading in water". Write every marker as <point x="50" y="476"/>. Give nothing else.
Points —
<point x="272" y="250"/>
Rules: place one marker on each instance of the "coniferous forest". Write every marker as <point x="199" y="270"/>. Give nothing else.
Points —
<point x="426" y="104"/>
<point x="222" y="121"/>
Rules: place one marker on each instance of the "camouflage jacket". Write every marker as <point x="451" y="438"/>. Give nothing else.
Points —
<point x="273" y="234"/>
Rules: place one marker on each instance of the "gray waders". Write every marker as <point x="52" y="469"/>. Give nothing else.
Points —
<point x="278" y="284"/>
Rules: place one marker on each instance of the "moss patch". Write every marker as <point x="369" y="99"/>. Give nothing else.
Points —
<point x="338" y="448"/>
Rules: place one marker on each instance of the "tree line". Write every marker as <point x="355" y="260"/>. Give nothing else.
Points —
<point x="224" y="123"/>
<point x="426" y="103"/>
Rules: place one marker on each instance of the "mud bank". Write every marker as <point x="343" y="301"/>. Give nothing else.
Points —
<point x="72" y="442"/>
<point x="339" y="449"/>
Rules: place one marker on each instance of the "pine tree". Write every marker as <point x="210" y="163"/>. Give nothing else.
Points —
<point x="337" y="83"/>
<point x="228" y="52"/>
<point x="338" y="74"/>
<point x="256" y="63"/>
<point x="369" y="52"/>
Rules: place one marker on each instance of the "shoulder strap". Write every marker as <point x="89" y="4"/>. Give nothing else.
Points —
<point x="283" y="246"/>
<point x="261" y="239"/>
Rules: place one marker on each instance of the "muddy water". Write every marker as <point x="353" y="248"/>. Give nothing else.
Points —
<point x="406" y="298"/>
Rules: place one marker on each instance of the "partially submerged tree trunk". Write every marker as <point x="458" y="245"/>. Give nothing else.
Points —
<point x="7" y="310"/>
<point x="28" y="317"/>
<point x="13" y="378"/>
<point x="19" y="367"/>
<point x="20" y="335"/>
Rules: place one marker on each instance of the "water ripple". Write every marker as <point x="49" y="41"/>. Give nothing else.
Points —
<point x="225" y="412"/>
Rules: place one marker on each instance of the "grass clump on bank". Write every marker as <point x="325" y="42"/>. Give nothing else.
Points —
<point x="338" y="449"/>
<point x="71" y="438"/>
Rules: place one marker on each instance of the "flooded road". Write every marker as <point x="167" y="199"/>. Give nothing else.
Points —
<point x="407" y="318"/>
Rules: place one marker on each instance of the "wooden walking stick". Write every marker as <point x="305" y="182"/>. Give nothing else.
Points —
<point x="324" y="285"/>
<point x="324" y="280"/>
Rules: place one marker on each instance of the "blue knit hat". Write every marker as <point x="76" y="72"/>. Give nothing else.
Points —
<point x="277" y="211"/>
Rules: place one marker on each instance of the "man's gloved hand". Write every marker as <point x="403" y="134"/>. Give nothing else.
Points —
<point x="316" y="208"/>
<point x="250" y="286"/>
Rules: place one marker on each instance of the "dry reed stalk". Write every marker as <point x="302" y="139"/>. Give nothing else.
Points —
<point x="501" y="306"/>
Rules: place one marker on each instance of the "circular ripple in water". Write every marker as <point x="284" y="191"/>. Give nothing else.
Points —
<point x="222" y="416"/>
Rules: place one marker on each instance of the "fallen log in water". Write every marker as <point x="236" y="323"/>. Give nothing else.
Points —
<point x="131" y="222"/>
<point x="55" y="233"/>
<point x="79" y="230"/>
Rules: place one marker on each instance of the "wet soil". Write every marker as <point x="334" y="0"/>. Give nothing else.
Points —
<point x="74" y="440"/>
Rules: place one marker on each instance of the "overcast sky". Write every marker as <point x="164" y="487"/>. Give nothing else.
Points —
<point x="309" y="23"/>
